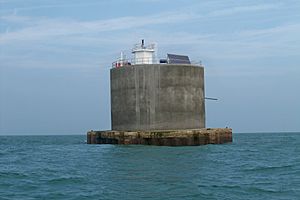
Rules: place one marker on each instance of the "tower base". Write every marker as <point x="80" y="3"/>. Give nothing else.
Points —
<point x="187" y="137"/>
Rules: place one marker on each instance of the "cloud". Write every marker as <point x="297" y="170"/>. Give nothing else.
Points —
<point x="74" y="41"/>
<point x="43" y="28"/>
<point x="279" y="41"/>
<point x="17" y="19"/>
<point x="52" y="5"/>
<point x="243" y="9"/>
<point x="283" y="29"/>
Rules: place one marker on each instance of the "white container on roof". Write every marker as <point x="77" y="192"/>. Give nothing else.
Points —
<point x="143" y="54"/>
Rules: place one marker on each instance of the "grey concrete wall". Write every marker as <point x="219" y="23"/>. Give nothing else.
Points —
<point x="157" y="97"/>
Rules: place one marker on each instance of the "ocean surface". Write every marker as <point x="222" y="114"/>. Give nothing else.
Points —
<point x="254" y="166"/>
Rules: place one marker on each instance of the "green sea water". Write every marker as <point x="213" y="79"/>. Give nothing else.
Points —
<point x="254" y="166"/>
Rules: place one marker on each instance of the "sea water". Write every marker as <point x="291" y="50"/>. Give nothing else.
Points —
<point x="254" y="166"/>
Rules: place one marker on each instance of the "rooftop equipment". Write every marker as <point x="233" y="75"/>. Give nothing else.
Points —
<point x="143" y="54"/>
<point x="177" y="59"/>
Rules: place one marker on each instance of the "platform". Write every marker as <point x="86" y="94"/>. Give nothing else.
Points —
<point x="187" y="137"/>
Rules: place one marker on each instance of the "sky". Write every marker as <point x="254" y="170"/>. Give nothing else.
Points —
<point x="55" y="58"/>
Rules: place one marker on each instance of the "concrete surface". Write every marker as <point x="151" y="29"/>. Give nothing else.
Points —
<point x="189" y="137"/>
<point x="157" y="97"/>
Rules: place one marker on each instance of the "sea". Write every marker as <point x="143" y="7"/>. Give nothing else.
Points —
<point x="253" y="166"/>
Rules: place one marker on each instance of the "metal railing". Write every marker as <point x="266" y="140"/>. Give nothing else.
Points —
<point x="120" y="63"/>
<point x="194" y="62"/>
<point x="139" y="46"/>
<point x="126" y="62"/>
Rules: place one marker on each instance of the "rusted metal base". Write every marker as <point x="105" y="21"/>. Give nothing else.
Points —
<point x="188" y="137"/>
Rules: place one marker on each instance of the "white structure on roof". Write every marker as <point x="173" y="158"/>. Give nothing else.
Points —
<point x="143" y="54"/>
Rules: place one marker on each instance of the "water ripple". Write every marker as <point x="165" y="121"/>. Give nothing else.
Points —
<point x="254" y="166"/>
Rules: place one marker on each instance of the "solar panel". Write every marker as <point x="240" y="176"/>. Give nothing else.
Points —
<point x="178" y="59"/>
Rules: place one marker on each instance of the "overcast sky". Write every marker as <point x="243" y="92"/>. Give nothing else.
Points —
<point x="55" y="58"/>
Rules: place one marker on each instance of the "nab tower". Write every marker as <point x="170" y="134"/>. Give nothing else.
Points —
<point x="158" y="102"/>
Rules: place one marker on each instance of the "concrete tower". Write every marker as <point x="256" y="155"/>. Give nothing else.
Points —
<point x="158" y="103"/>
<point x="147" y="95"/>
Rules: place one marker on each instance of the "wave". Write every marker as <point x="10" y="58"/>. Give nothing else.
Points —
<point x="268" y="168"/>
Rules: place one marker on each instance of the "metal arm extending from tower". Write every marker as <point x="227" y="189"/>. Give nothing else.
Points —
<point x="209" y="98"/>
